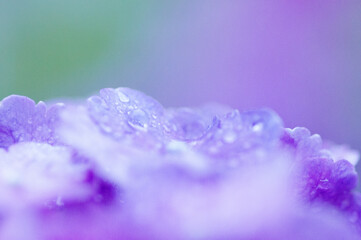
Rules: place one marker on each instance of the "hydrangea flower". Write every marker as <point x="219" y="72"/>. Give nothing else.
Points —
<point x="121" y="166"/>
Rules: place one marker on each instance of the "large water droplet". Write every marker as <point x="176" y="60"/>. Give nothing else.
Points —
<point x="122" y="96"/>
<point x="138" y="118"/>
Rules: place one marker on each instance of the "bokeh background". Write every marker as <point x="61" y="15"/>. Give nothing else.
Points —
<point x="300" y="58"/>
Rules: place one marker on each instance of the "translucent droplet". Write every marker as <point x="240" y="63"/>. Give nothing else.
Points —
<point x="257" y="127"/>
<point x="120" y="109"/>
<point x="98" y="102"/>
<point x="138" y="118"/>
<point x="323" y="184"/>
<point x="166" y="128"/>
<point x="122" y="96"/>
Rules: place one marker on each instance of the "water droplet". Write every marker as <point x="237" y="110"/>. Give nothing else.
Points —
<point x="166" y="128"/>
<point x="323" y="184"/>
<point x="122" y="96"/>
<point x="120" y="109"/>
<point x="257" y="127"/>
<point x="138" y="118"/>
<point x="98" y="103"/>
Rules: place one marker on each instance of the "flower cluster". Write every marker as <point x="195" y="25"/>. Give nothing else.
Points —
<point x="121" y="166"/>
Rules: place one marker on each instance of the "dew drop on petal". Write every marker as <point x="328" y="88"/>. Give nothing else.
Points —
<point x="257" y="127"/>
<point x="138" y="118"/>
<point x="122" y="96"/>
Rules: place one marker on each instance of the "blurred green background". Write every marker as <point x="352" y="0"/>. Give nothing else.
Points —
<point x="53" y="49"/>
<point x="300" y="58"/>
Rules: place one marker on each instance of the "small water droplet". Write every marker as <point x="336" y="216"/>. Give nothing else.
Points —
<point x="323" y="184"/>
<point x="98" y="103"/>
<point x="120" y="109"/>
<point x="257" y="127"/>
<point x="166" y="128"/>
<point x="122" y="96"/>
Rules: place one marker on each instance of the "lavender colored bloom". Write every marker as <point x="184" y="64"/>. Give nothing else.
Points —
<point x="121" y="166"/>
<point x="21" y="120"/>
